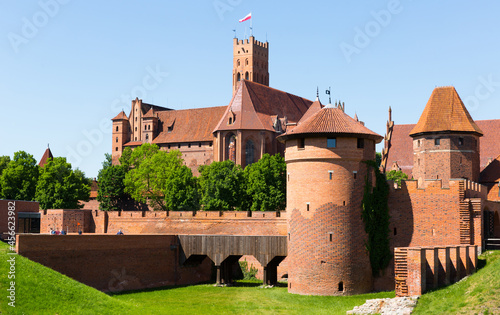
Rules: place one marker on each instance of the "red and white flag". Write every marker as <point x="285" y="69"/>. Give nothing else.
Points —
<point x="246" y="18"/>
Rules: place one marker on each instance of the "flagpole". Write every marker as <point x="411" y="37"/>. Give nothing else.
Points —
<point x="251" y="25"/>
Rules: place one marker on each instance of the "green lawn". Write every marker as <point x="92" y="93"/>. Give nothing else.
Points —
<point x="477" y="294"/>
<point x="40" y="290"/>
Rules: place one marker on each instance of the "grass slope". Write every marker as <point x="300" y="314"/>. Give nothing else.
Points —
<point x="41" y="290"/>
<point x="477" y="294"/>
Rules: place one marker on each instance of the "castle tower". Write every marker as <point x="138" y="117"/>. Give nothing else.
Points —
<point x="250" y="61"/>
<point x="325" y="181"/>
<point x="149" y="125"/>
<point x="445" y="139"/>
<point x="121" y="135"/>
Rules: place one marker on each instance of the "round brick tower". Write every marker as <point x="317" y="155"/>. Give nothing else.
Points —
<point x="325" y="181"/>
<point x="445" y="139"/>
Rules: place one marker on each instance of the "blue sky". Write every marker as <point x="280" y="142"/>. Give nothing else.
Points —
<point x="68" y="66"/>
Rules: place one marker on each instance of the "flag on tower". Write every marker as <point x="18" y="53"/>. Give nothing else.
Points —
<point x="246" y="18"/>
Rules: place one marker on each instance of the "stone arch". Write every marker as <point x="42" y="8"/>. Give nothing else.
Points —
<point x="247" y="76"/>
<point x="238" y="77"/>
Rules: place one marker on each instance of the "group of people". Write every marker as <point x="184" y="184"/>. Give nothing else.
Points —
<point x="61" y="232"/>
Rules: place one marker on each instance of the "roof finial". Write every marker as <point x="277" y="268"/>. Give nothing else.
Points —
<point x="317" y="93"/>
<point x="48" y="145"/>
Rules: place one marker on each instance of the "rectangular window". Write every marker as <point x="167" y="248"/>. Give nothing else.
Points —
<point x="301" y="143"/>
<point x="331" y="142"/>
<point x="437" y="141"/>
<point x="331" y="237"/>
<point x="361" y="143"/>
<point x="330" y="174"/>
<point x="460" y="141"/>
<point x="354" y="174"/>
<point x="307" y="206"/>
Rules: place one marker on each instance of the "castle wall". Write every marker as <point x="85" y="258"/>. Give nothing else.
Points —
<point x="194" y="154"/>
<point x="114" y="262"/>
<point x="420" y="269"/>
<point x="7" y="207"/>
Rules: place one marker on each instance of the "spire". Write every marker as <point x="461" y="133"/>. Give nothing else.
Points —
<point x="356" y="116"/>
<point x="317" y="93"/>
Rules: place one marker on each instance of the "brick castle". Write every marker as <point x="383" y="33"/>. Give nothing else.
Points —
<point x="450" y="205"/>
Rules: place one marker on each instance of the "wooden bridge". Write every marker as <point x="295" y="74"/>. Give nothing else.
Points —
<point x="226" y="250"/>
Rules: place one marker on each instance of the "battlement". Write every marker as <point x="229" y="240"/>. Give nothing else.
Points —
<point x="189" y="214"/>
<point x="468" y="186"/>
<point x="250" y="40"/>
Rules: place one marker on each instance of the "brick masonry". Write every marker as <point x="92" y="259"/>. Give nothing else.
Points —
<point x="114" y="262"/>
<point x="424" y="268"/>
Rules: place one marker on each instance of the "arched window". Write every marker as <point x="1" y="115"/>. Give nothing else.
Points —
<point x="249" y="153"/>
<point x="238" y="62"/>
<point x="147" y="137"/>
<point x="231" y="147"/>
<point x="246" y="62"/>
<point x="145" y="127"/>
<point x="238" y="77"/>
<point x="116" y="128"/>
<point x="116" y="139"/>
<point x="149" y="127"/>
<point x="246" y="75"/>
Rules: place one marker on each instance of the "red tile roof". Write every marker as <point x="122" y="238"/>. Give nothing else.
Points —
<point x="401" y="149"/>
<point x="133" y="144"/>
<point x="331" y="120"/>
<point x="46" y="156"/>
<point x="120" y="116"/>
<point x="491" y="174"/>
<point x="315" y="107"/>
<point x="256" y="107"/>
<point x="189" y="125"/>
<point x="445" y="111"/>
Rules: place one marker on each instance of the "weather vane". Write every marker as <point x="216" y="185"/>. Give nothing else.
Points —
<point x="329" y="92"/>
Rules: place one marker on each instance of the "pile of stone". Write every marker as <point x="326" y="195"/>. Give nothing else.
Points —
<point x="395" y="306"/>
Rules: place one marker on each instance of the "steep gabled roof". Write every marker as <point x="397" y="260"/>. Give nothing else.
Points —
<point x="121" y="116"/>
<point x="445" y="112"/>
<point x="189" y="125"/>
<point x="328" y="121"/>
<point x="45" y="158"/>
<point x="256" y="107"/>
<point x="491" y="174"/>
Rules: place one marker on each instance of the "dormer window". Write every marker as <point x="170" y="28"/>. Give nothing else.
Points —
<point x="230" y="120"/>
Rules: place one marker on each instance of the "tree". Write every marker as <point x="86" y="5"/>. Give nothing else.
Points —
<point x="397" y="176"/>
<point x="378" y="158"/>
<point x="59" y="187"/>
<point x="20" y="177"/>
<point x="4" y="161"/>
<point x="221" y="186"/>
<point x="266" y="184"/>
<point x="111" y="184"/>
<point x="162" y="179"/>
<point x="125" y="158"/>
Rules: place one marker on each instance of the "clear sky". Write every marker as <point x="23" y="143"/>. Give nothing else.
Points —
<point x="68" y="66"/>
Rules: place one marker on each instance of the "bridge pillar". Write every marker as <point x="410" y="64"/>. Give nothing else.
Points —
<point x="218" y="278"/>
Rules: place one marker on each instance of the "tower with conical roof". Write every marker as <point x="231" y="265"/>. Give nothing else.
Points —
<point x="325" y="181"/>
<point x="445" y="139"/>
